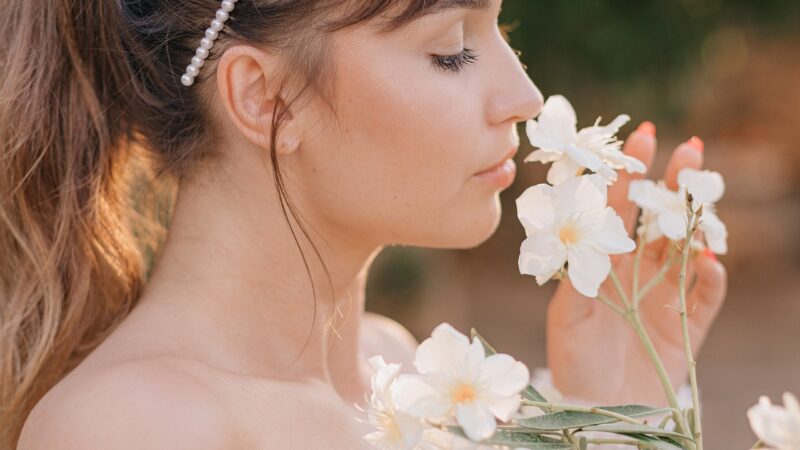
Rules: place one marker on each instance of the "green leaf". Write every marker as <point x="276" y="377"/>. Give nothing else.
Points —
<point x="530" y="392"/>
<point x="652" y="442"/>
<point x="623" y="428"/>
<point x="517" y="439"/>
<point x="563" y="420"/>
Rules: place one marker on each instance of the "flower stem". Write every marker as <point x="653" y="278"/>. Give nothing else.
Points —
<point x="658" y="278"/>
<point x="610" y="303"/>
<point x="636" y="262"/>
<point x="690" y="228"/>
<point x="585" y="409"/>
<point x="620" y="290"/>
<point x="635" y="321"/>
<point x="631" y="314"/>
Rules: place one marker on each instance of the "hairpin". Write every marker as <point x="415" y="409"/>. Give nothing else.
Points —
<point x="212" y="32"/>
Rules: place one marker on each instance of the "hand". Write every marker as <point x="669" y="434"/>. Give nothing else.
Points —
<point x="593" y="352"/>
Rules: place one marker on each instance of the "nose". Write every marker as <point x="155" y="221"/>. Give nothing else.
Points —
<point x="516" y="98"/>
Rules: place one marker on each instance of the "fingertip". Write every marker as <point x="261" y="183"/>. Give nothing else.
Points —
<point x="641" y="146"/>
<point x="647" y="128"/>
<point x="709" y="254"/>
<point x="710" y="269"/>
<point x="696" y="143"/>
<point x="686" y="155"/>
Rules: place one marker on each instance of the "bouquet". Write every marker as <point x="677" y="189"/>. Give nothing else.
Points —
<point x="465" y="395"/>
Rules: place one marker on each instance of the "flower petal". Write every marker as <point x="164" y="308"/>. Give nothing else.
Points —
<point x="505" y="375"/>
<point x="631" y="164"/>
<point x="645" y="194"/>
<point x="588" y="268"/>
<point x="543" y="156"/>
<point x="586" y="158"/>
<point x="504" y="407"/>
<point x="705" y="185"/>
<point x="612" y="237"/>
<point x="774" y="425"/>
<point x="410" y="428"/>
<point x="535" y="208"/>
<point x="474" y="359"/>
<point x="476" y="420"/>
<point x="649" y="226"/>
<point x="541" y="254"/>
<point x="383" y="374"/>
<point x="715" y="232"/>
<point x="444" y="351"/>
<point x="587" y="193"/>
<point x="555" y="126"/>
<point x="412" y="394"/>
<point x="562" y="170"/>
<point x="673" y="225"/>
<point x="792" y="405"/>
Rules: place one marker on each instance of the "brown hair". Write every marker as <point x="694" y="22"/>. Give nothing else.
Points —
<point x="93" y="120"/>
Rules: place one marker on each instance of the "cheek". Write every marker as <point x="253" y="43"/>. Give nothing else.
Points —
<point x="402" y="152"/>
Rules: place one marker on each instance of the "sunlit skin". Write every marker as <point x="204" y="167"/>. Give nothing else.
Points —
<point x="209" y="358"/>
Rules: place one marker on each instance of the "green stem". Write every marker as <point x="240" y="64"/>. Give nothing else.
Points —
<point x="635" y="321"/>
<point x="632" y="316"/>
<point x="620" y="290"/>
<point x="610" y="303"/>
<point x="690" y="227"/>
<point x="585" y="409"/>
<point x="636" y="262"/>
<point x="658" y="278"/>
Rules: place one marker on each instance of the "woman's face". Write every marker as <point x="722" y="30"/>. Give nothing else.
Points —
<point x="399" y="165"/>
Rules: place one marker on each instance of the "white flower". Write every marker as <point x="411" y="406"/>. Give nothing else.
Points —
<point x="595" y="148"/>
<point x="456" y="378"/>
<point x="395" y="430"/>
<point x="665" y="210"/>
<point x="571" y="223"/>
<point x="777" y="426"/>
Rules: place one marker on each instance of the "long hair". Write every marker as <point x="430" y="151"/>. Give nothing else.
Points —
<point x="95" y="131"/>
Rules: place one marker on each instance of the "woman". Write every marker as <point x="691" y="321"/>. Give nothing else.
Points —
<point x="360" y="124"/>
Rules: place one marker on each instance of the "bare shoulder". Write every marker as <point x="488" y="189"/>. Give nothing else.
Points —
<point x="385" y="336"/>
<point x="135" y="404"/>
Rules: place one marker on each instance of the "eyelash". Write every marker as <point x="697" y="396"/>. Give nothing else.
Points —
<point x="455" y="63"/>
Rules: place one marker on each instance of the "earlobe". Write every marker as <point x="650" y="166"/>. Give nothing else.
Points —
<point x="288" y="137"/>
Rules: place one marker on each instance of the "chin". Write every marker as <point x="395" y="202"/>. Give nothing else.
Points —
<point x="472" y="230"/>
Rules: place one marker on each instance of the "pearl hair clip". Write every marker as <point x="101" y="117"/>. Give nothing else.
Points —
<point x="212" y="32"/>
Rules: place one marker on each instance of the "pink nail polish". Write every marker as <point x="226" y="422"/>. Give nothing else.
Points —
<point x="709" y="254"/>
<point x="648" y="128"/>
<point x="697" y="143"/>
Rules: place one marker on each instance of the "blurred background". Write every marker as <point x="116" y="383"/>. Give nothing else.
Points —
<point x="725" y="70"/>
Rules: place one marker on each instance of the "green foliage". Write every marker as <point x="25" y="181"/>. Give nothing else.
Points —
<point x="639" y="52"/>
<point x="573" y="419"/>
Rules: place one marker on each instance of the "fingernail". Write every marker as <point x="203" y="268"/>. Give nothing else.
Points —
<point x="709" y="254"/>
<point x="648" y="128"/>
<point x="697" y="143"/>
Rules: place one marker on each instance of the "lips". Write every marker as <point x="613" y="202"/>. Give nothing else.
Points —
<point x="499" y="163"/>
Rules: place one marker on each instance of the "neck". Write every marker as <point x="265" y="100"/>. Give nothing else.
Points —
<point x="231" y="275"/>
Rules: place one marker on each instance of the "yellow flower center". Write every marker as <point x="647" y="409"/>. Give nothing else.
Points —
<point x="568" y="234"/>
<point x="465" y="393"/>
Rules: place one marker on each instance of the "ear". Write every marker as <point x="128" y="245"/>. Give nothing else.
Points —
<point x="247" y="82"/>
